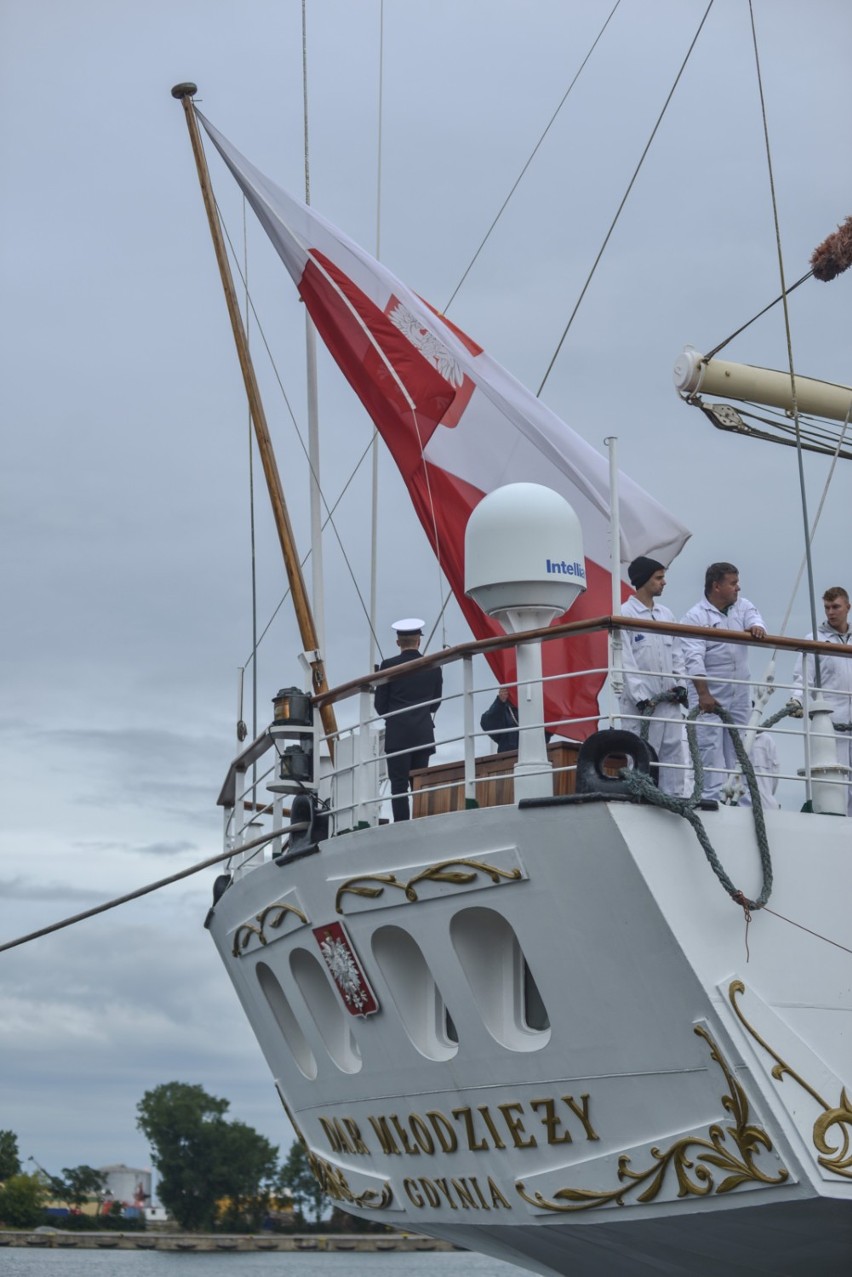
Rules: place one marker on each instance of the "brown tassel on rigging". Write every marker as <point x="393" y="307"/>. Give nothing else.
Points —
<point x="834" y="255"/>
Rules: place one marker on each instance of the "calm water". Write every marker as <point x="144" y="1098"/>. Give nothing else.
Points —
<point x="135" y="1263"/>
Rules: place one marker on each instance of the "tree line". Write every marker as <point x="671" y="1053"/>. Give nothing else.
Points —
<point x="214" y="1173"/>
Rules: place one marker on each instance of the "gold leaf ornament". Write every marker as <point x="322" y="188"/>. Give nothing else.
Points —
<point x="274" y="914"/>
<point x="444" y="871"/>
<point x="730" y="1148"/>
<point x="835" y="1153"/>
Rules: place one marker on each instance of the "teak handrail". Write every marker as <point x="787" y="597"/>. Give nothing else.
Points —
<point x="566" y="629"/>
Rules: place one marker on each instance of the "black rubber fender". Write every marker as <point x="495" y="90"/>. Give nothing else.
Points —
<point x="597" y="748"/>
<point x="220" y="886"/>
<point x="305" y="842"/>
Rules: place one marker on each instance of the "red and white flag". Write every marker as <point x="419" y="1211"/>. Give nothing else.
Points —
<point x="458" y="425"/>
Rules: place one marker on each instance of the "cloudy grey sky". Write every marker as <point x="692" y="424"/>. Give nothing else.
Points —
<point x="126" y="571"/>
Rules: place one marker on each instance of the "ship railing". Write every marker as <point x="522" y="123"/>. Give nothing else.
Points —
<point x="353" y="779"/>
<point x="441" y="787"/>
<point x="735" y="787"/>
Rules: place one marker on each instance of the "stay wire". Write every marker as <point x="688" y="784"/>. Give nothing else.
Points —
<point x="274" y="366"/>
<point x="140" y="891"/>
<point x="815" y="523"/>
<point x="722" y="344"/>
<point x="789" y="339"/>
<point x="374" y="456"/>
<point x="816" y="934"/>
<point x="305" y="101"/>
<point x="624" y="199"/>
<point x="252" y="529"/>
<point x="285" y="596"/>
<point x="530" y="158"/>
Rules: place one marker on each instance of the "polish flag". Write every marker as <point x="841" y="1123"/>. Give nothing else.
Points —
<point x="458" y="425"/>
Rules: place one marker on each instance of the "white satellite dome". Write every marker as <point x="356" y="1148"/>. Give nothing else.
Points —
<point x="524" y="553"/>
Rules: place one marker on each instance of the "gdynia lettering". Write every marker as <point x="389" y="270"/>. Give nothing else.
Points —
<point x="561" y="568"/>
<point x="539" y="1122"/>
<point x="466" y="1193"/>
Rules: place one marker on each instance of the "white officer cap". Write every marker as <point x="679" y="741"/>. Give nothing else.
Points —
<point x="408" y="626"/>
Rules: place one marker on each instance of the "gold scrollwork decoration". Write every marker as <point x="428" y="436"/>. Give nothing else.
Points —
<point x="836" y="1119"/>
<point x="274" y="915"/>
<point x="442" y="872"/>
<point x="333" y="1182"/>
<point x="690" y="1158"/>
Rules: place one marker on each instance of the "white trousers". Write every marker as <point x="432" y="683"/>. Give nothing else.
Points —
<point x="666" y="735"/>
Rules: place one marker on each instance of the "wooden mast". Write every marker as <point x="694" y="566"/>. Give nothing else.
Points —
<point x="304" y="616"/>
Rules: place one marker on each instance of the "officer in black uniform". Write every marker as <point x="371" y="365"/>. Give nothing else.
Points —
<point x="408" y="706"/>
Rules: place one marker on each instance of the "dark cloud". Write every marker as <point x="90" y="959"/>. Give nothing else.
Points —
<point x="34" y="889"/>
<point x="144" y="849"/>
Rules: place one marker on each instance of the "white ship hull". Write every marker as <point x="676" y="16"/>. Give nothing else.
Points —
<point x="680" y="1107"/>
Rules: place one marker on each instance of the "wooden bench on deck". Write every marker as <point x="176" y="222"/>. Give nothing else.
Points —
<point x="495" y="786"/>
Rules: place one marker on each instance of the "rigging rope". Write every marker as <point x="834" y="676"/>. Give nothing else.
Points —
<point x="305" y="101"/>
<point x="644" y="787"/>
<point x="154" y="886"/>
<point x="329" y="510"/>
<point x="789" y="338"/>
<point x="252" y="530"/>
<point x="624" y="199"/>
<point x="530" y="158"/>
<point x="416" y="419"/>
<point x="379" y="139"/>
<point x="749" y="322"/>
<point x="285" y="596"/>
<point x="817" y="518"/>
<point x="374" y="485"/>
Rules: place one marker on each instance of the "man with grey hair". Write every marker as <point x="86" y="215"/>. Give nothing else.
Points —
<point x="719" y="671"/>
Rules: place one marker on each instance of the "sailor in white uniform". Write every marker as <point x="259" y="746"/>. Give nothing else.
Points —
<point x="654" y="671"/>
<point x="720" y="671"/>
<point x="835" y="674"/>
<point x="764" y="758"/>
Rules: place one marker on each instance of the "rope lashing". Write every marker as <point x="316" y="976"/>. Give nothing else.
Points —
<point x="786" y="711"/>
<point x="643" y="787"/>
<point x="651" y="705"/>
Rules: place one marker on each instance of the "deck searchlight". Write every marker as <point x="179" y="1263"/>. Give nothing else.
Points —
<point x="524" y="566"/>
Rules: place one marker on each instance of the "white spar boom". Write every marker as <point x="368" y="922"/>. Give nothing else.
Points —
<point x="693" y="374"/>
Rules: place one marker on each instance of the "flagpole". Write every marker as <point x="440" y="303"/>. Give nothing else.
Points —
<point x="616" y="658"/>
<point x="307" y="629"/>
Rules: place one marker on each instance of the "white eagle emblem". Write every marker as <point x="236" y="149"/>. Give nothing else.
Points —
<point x="345" y="973"/>
<point x="427" y="343"/>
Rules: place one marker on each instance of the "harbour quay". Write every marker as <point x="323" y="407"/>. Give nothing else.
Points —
<point x="56" y="1239"/>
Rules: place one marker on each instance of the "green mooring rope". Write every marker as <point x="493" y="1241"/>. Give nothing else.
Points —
<point x="643" y="787"/>
<point x="648" y="714"/>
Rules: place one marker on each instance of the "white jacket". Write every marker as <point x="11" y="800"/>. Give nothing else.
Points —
<point x="653" y="663"/>
<point x="835" y="674"/>
<point x="715" y="661"/>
